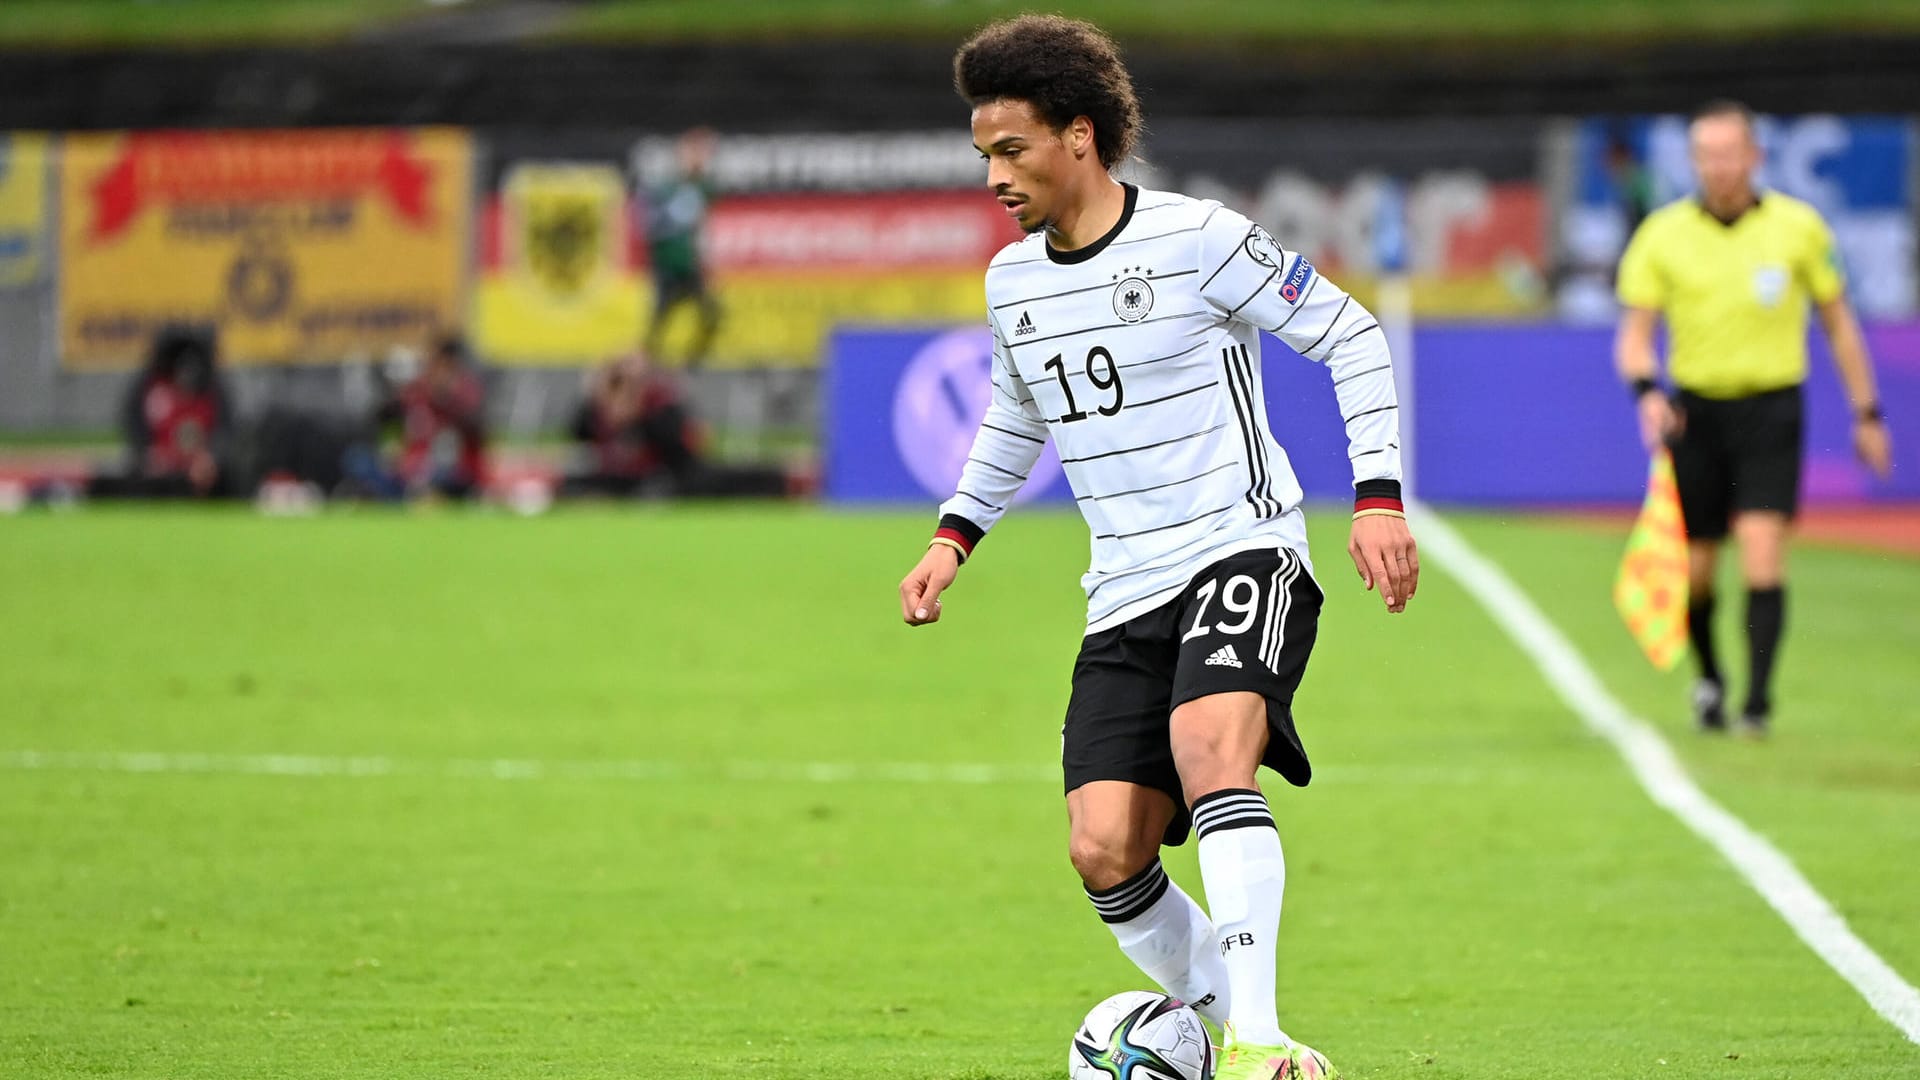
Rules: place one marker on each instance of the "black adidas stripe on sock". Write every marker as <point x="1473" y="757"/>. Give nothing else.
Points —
<point x="1131" y="898"/>
<point x="1231" y="808"/>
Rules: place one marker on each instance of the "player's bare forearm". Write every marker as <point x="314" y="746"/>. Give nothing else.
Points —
<point x="1386" y="558"/>
<point x="920" y="591"/>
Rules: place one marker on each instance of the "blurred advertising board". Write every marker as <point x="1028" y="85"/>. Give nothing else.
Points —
<point x="789" y="268"/>
<point x="1858" y="171"/>
<point x="797" y="234"/>
<point x="1525" y="414"/>
<point x="901" y="408"/>
<point x="557" y="279"/>
<point x="806" y="232"/>
<point x="299" y="245"/>
<point x="1456" y="204"/>
<point x="23" y="214"/>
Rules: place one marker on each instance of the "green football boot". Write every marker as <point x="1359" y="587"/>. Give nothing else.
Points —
<point x="1248" y="1061"/>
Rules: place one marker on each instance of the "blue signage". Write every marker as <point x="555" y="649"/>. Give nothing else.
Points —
<point x="1527" y="414"/>
<point x="1856" y="170"/>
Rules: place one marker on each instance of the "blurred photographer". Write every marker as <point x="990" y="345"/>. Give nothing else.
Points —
<point x="176" y="421"/>
<point x="441" y="413"/>
<point x="641" y="439"/>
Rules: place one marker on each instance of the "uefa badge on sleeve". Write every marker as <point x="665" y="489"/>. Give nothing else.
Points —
<point x="1132" y="299"/>
<point x="1260" y="247"/>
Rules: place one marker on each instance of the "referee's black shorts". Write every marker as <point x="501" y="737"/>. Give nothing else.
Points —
<point x="1246" y="623"/>
<point x="1737" y="454"/>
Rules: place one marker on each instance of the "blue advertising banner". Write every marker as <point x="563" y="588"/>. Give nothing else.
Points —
<point x="902" y="408"/>
<point x="1858" y="171"/>
<point x="1507" y="415"/>
<point x="1535" y="415"/>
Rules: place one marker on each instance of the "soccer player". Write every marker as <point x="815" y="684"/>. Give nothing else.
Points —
<point x="677" y="213"/>
<point x="1126" y="328"/>
<point x="1732" y="269"/>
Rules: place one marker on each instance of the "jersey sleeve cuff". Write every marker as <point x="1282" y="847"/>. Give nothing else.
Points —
<point x="1377" y="495"/>
<point x="961" y="531"/>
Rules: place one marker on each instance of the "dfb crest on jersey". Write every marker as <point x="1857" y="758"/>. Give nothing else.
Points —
<point x="1260" y="247"/>
<point x="1132" y="299"/>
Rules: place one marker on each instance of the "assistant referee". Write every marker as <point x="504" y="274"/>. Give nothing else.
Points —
<point x="1732" y="269"/>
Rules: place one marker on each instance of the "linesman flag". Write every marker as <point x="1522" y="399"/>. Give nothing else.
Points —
<point x="1651" y="588"/>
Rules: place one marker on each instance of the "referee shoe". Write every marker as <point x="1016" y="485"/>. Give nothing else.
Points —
<point x="1709" y="706"/>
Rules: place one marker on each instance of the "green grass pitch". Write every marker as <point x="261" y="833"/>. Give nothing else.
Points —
<point x="730" y="840"/>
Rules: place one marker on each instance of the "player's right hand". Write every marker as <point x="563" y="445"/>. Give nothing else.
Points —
<point x="1659" y="421"/>
<point x="920" y="592"/>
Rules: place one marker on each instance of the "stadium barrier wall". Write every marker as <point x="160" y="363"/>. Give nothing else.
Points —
<point x="1506" y="415"/>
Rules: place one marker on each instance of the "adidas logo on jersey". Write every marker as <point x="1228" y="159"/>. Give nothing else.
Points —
<point x="1224" y="656"/>
<point x="1024" y="326"/>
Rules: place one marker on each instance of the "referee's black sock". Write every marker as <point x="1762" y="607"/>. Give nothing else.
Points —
<point x="1700" y="630"/>
<point x="1766" y="616"/>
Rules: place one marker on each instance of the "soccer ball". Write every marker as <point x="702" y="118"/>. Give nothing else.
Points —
<point x="1140" y="1035"/>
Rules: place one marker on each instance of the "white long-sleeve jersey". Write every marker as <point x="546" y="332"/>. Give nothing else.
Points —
<point x="1139" y="355"/>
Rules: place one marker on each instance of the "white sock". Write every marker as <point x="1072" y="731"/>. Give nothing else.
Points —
<point x="1166" y="934"/>
<point x="1245" y="873"/>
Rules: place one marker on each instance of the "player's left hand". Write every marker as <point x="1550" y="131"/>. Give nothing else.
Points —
<point x="1384" y="553"/>
<point x="1874" y="445"/>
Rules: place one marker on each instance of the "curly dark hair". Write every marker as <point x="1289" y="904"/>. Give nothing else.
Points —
<point x="1062" y="67"/>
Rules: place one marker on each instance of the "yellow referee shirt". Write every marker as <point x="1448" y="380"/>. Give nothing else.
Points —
<point x="1734" y="296"/>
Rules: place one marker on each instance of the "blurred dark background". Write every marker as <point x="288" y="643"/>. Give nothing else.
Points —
<point x="335" y="192"/>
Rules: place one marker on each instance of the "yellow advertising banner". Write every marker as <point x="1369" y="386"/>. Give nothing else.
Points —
<point x="298" y="245"/>
<point x="783" y="318"/>
<point x="557" y="279"/>
<point x="772" y="319"/>
<point x="561" y="283"/>
<point x="23" y="201"/>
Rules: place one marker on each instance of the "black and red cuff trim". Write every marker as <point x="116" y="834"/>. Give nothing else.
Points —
<point x="961" y="531"/>
<point x="1377" y="495"/>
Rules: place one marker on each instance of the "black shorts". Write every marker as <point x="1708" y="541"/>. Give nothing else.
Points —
<point x="672" y="289"/>
<point x="1737" y="454"/>
<point x="1245" y="623"/>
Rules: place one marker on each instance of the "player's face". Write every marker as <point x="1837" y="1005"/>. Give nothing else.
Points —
<point x="1724" y="157"/>
<point x="1027" y="161"/>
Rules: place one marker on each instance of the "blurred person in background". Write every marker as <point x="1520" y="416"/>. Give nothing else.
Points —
<point x="177" y="421"/>
<point x="633" y="429"/>
<point x="443" y="441"/>
<point x="1732" y="269"/>
<point x="1632" y="180"/>
<point x="676" y="215"/>
<point x="640" y="438"/>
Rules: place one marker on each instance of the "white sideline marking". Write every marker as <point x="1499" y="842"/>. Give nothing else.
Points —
<point x="817" y="772"/>
<point x="1665" y="780"/>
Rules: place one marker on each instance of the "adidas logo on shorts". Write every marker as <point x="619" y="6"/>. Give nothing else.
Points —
<point x="1224" y="656"/>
